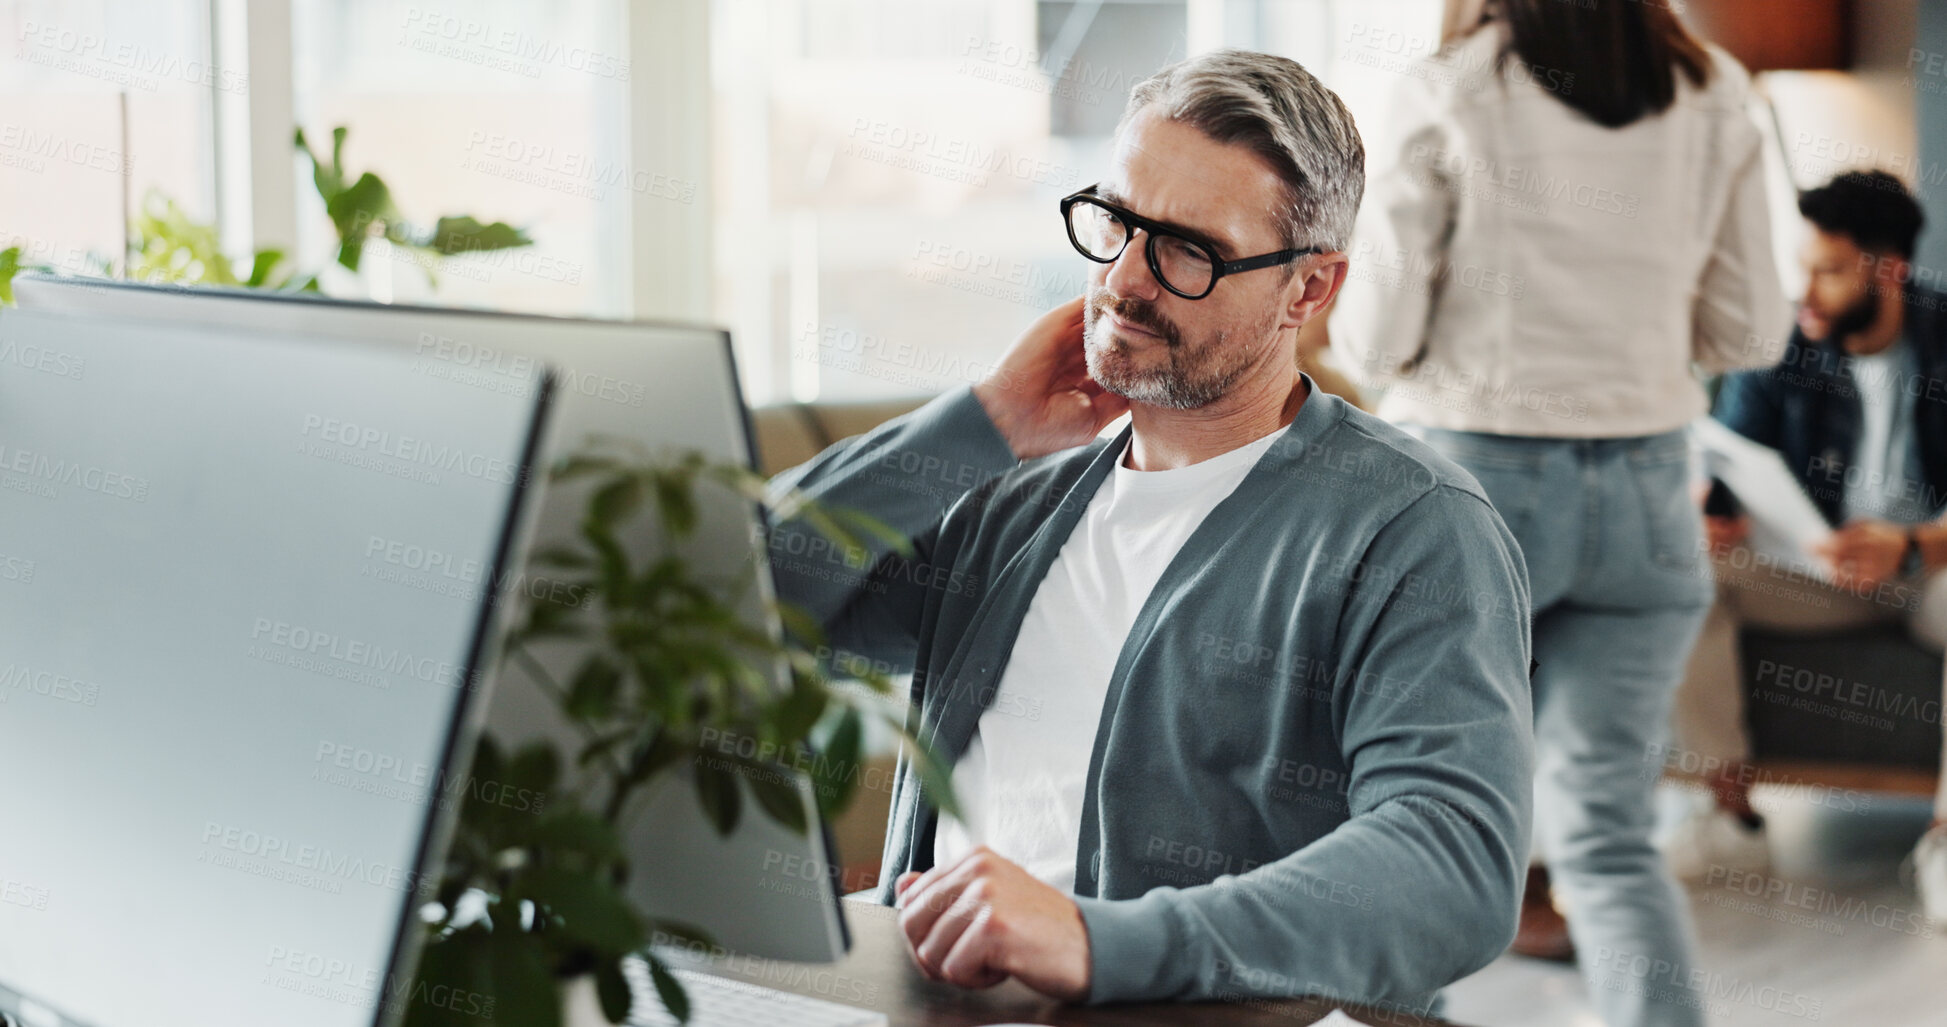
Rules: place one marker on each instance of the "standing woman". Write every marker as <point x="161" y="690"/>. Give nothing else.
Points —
<point x="1567" y="215"/>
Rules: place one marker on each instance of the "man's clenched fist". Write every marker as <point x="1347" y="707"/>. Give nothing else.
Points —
<point x="982" y="919"/>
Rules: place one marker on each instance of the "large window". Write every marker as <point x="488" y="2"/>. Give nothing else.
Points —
<point x="883" y="176"/>
<point x="102" y="104"/>
<point x="887" y="217"/>
<point x="496" y="108"/>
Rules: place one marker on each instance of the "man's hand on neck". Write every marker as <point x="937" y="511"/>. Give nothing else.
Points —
<point x="1040" y="396"/>
<point x="1165" y="439"/>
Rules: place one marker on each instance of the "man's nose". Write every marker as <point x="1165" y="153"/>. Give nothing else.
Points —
<point x="1129" y="274"/>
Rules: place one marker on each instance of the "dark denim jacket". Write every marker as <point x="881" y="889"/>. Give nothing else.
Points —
<point x="1807" y="408"/>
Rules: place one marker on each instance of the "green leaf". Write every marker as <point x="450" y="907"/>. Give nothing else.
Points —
<point x="329" y="181"/>
<point x="802" y="626"/>
<point x="576" y="831"/>
<point x="653" y="753"/>
<point x="561" y="556"/>
<point x="9" y="266"/>
<point x="546" y="618"/>
<point x="465" y="234"/>
<point x="167" y="245"/>
<point x="802" y="706"/>
<point x="524" y="989"/>
<point x="590" y="911"/>
<point x="613" y="990"/>
<point x="836" y="770"/>
<point x="486" y="759"/>
<point x="535" y="766"/>
<point x="858" y="522"/>
<point x="614" y="571"/>
<point x="599" y="747"/>
<point x="591" y="696"/>
<point x="338" y="134"/>
<point x="676" y="502"/>
<point x="716" y="790"/>
<point x="261" y="266"/>
<point x="455" y="965"/>
<point x="354" y="211"/>
<point x="777" y="794"/>
<point x="615" y="501"/>
<point x="670" y="990"/>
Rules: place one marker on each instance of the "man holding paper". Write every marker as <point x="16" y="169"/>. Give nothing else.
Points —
<point x="1858" y="411"/>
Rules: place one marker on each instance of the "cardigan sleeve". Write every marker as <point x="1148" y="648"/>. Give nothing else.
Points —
<point x="906" y="473"/>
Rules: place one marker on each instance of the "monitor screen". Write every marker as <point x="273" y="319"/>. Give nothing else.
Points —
<point x="673" y="389"/>
<point x="226" y="733"/>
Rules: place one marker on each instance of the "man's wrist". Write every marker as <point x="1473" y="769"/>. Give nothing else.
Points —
<point x="988" y="394"/>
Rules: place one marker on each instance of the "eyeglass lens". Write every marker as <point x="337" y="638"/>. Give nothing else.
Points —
<point x="1186" y="266"/>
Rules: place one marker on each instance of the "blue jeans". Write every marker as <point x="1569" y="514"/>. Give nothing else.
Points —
<point x="1612" y="540"/>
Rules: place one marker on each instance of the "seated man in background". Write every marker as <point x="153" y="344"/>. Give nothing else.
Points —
<point x="1235" y="703"/>
<point x="1858" y="408"/>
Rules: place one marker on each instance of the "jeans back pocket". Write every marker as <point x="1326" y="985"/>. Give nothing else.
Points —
<point x="1659" y="466"/>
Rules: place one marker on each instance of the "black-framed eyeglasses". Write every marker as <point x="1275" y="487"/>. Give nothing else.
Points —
<point x="1185" y="265"/>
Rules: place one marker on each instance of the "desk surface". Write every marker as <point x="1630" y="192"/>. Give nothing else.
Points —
<point x="877" y="974"/>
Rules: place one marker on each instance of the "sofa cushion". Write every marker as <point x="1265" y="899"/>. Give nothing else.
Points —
<point x="788" y="434"/>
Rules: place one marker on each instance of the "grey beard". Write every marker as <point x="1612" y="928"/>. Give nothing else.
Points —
<point x="1169" y="387"/>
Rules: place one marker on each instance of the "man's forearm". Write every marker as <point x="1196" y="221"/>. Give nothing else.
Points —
<point x="1327" y="920"/>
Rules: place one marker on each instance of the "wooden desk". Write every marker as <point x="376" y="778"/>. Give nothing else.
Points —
<point x="877" y="974"/>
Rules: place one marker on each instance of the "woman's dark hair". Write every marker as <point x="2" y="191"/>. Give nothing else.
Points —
<point x="1613" y="60"/>
<point x="1872" y="208"/>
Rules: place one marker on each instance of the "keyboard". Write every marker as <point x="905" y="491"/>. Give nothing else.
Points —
<point x="719" y="1002"/>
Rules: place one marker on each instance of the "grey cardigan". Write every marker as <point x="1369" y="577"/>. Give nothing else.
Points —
<point x="1312" y="772"/>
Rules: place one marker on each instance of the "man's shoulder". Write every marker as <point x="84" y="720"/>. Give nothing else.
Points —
<point x="1927" y="321"/>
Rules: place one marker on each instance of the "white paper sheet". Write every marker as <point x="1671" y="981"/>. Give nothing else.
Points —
<point x="1784" y="523"/>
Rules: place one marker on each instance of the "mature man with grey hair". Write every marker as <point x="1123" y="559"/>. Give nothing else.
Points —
<point x="1236" y="702"/>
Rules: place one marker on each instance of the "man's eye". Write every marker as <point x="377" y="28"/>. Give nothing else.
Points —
<point x="1185" y="253"/>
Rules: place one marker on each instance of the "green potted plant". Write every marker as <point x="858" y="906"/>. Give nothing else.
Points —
<point x="10" y="265"/>
<point x="362" y="210"/>
<point x="530" y="907"/>
<point x="166" y="244"/>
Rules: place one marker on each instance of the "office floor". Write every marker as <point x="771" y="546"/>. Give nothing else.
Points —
<point x="1832" y="927"/>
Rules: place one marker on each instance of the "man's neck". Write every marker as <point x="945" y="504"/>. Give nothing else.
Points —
<point x="1164" y="439"/>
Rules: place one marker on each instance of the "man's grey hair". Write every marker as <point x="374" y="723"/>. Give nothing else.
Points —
<point x="1276" y="108"/>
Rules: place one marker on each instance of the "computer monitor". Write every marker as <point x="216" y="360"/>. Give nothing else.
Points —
<point x="228" y="750"/>
<point x="671" y="386"/>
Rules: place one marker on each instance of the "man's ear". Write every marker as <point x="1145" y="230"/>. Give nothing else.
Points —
<point x="1312" y="287"/>
<point x="1890" y="273"/>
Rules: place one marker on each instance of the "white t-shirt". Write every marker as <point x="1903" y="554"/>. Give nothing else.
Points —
<point x="1023" y="777"/>
<point x="1877" y="484"/>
